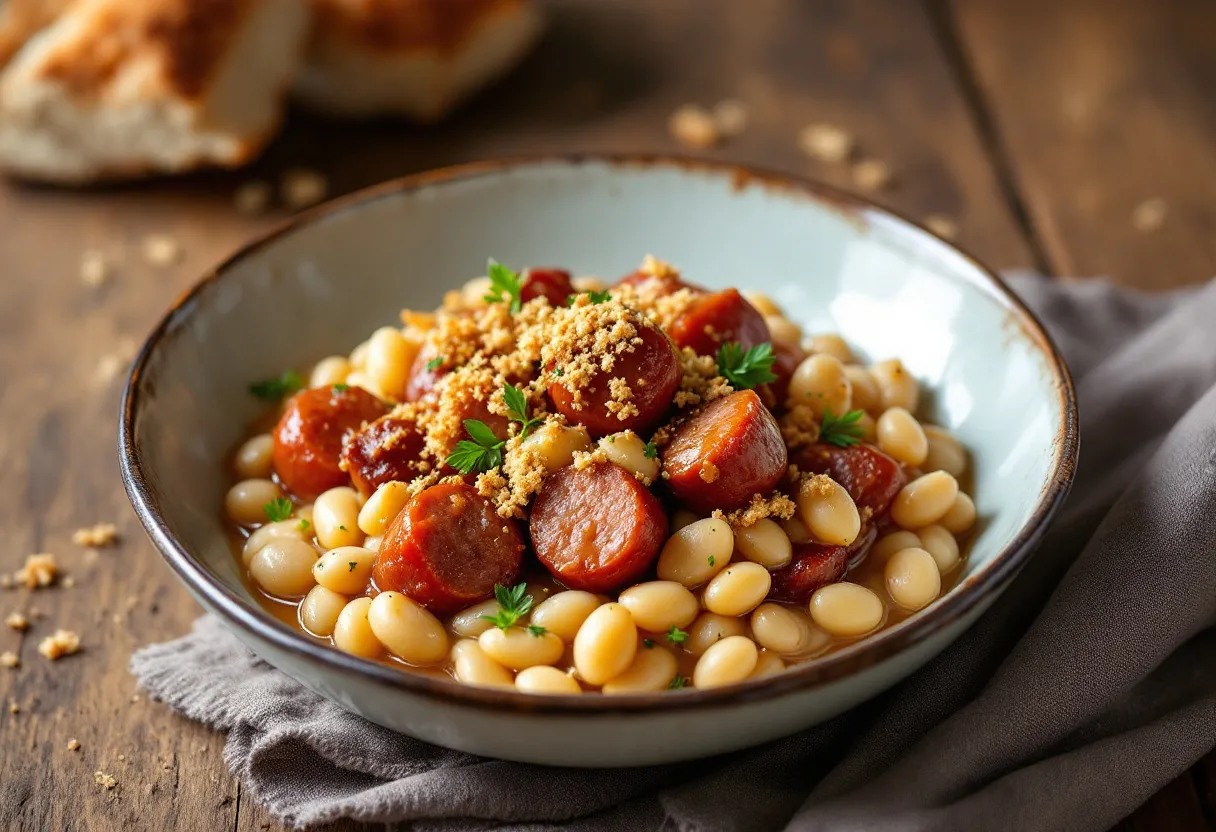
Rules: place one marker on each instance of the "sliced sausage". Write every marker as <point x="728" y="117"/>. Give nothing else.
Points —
<point x="652" y="372"/>
<point x="598" y="528"/>
<point x="552" y="284"/>
<point x="871" y="477"/>
<point x="448" y="548"/>
<point x="727" y="452"/>
<point x="714" y="319"/>
<point x="308" y="437"/>
<point x="812" y="566"/>
<point x="390" y="448"/>
<point x="667" y="284"/>
<point x="423" y="375"/>
<point x="786" y="358"/>
<point x="862" y="544"/>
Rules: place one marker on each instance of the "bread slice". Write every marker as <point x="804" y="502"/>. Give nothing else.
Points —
<point x="412" y="58"/>
<point x="22" y="19"/>
<point x="124" y="88"/>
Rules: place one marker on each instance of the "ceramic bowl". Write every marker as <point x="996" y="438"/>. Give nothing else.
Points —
<point x="326" y="279"/>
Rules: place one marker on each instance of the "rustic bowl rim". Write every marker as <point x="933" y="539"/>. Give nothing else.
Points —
<point x="831" y="668"/>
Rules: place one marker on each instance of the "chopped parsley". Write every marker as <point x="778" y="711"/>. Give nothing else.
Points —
<point x="280" y="508"/>
<point x="505" y="286"/>
<point x="513" y="604"/>
<point x="711" y="559"/>
<point x="677" y="636"/>
<point x="274" y="389"/>
<point x="593" y="296"/>
<point x="648" y="643"/>
<point x="517" y="409"/>
<point x="745" y="370"/>
<point x="341" y="388"/>
<point x="842" y="431"/>
<point x="304" y="524"/>
<point x="557" y="372"/>
<point x="435" y="363"/>
<point x="481" y="454"/>
<point x="677" y="682"/>
<point x="537" y="630"/>
<point x="650" y="451"/>
<point x="352" y="564"/>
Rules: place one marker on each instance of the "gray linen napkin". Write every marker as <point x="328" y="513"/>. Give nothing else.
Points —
<point x="1089" y="685"/>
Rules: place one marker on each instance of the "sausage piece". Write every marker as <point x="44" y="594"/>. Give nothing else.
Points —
<point x="667" y="284"/>
<point x="387" y="449"/>
<point x="871" y="477"/>
<point x="448" y="548"/>
<point x="812" y="566"/>
<point x="717" y="318"/>
<point x="652" y="372"/>
<point x="308" y="437"/>
<point x="422" y="375"/>
<point x="786" y="358"/>
<point x="552" y="284"/>
<point x="727" y="452"/>
<point x="598" y="528"/>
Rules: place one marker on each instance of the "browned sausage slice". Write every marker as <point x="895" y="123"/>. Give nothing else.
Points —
<point x="390" y="448"/>
<point x="448" y="548"/>
<point x="308" y="438"/>
<point x="597" y="528"/>
<point x="813" y="565"/>
<point x="870" y="476"/>
<point x="714" y="319"/>
<point x="726" y="453"/>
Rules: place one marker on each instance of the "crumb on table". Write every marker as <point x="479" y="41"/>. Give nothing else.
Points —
<point x="39" y="571"/>
<point x="97" y="535"/>
<point x="17" y="621"/>
<point x="9" y="659"/>
<point x="825" y="143"/>
<point x="103" y="779"/>
<point x="871" y="174"/>
<point x="94" y="268"/>
<point x="693" y="127"/>
<point x="60" y="643"/>
<point x="302" y="188"/>
<point x="73" y="744"/>
<point x="161" y="249"/>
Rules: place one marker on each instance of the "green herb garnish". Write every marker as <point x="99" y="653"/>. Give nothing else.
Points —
<point x="517" y="409"/>
<point x="592" y="295"/>
<point x="352" y="564"/>
<point x="745" y="370"/>
<point x="536" y="630"/>
<point x="677" y="636"/>
<point x="304" y="524"/>
<point x="842" y="431"/>
<point x="711" y="560"/>
<point x="513" y="604"/>
<point x="676" y="683"/>
<point x="341" y="388"/>
<point x="274" y="389"/>
<point x="435" y="363"/>
<point x="650" y="451"/>
<point x="280" y="508"/>
<point x="505" y="286"/>
<point x="481" y="454"/>
<point x="648" y="643"/>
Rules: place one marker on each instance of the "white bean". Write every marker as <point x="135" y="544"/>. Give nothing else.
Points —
<point x="347" y="569"/>
<point x="901" y="436"/>
<point x="782" y="330"/>
<point x="846" y="609"/>
<point x="471" y="622"/>
<point x="830" y="343"/>
<point x="821" y="384"/>
<point x="255" y="458"/>
<point x="764" y="542"/>
<point x="961" y="516"/>
<point x="407" y="629"/>
<point x="473" y="667"/>
<point x="271" y="531"/>
<point x="628" y="450"/>
<point x="738" y="589"/>
<point x="320" y="609"/>
<point x="245" y="502"/>
<point x="330" y="371"/>
<point x="866" y="394"/>
<point x="335" y="518"/>
<point x="828" y="511"/>
<point x="554" y="445"/>
<point x="352" y="632"/>
<point x="945" y="452"/>
<point x="563" y="613"/>
<point x="899" y="388"/>
<point x="796" y="530"/>
<point x="606" y="644"/>
<point x="939" y="543"/>
<point x="767" y="664"/>
<point x="372" y="544"/>
<point x="390" y="355"/>
<point x="382" y="507"/>
<point x="763" y="303"/>
<point x="913" y="579"/>
<point x="657" y="606"/>
<point x="518" y="648"/>
<point x="546" y="680"/>
<point x="697" y="552"/>
<point x="710" y="628"/>
<point x="786" y="631"/>
<point x="283" y="567"/>
<point x="682" y="517"/>
<point x="726" y="662"/>
<point x="889" y="544"/>
<point x="652" y="669"/>
<point x="925" y="500"/>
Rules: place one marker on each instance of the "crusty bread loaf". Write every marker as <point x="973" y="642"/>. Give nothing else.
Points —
<point x="413" y="58"/>
<point x="123" y="88"/>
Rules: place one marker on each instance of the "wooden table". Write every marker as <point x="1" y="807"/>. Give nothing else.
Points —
<point x="1038" y="127"/>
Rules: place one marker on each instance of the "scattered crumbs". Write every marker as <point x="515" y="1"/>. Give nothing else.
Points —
<point x="68" y="583"/>
<point x="36" y="613"/>
<point x="122" y="758"/>
<point x="17" y="621"/>
<point x="73" y="744"/>
<point x="709" y="472"/>
<point x="100" y="534"/>
<point x="60" y="643"/>
<point x="6" y="581"/>
<point x="942" y="226"/>
<point x="161" y="249"/>
<point x="135" y="697"/>
<point x="730" y="116"/>
<point x="302" y="188"/>
<point x="871" y="174"/>
<point x="103" y="779"/>
<point x="826" y="143"/>
<point x="39" y="571"/>
<point x="94" y="268"/>
<point x="693" y="127"/>
<point x="9" y="659"/>
<point x="776" y="505"/>
<point x="117" y="619"/>
<point x="252" y="198"/>
<point x="13" y="707"/>
<point x="166" y="765"/>
<point x="108" y="366"/>
<point x="1149" y="215"/>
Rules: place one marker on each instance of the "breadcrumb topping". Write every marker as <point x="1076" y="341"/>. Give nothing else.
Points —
<point x="799" y="427"/>
<point x="776" y="505"/>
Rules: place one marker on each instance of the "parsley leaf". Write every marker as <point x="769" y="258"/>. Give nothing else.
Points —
<point x="677" y="636"/>
<point x="676" y="683"/>
<point x="842" y="431"/>
<point x="280" y="508"/>
<point x="537" y="630"/>
<point x="341" y="388"/>
<point x="517" y="409"/>
<point x="481" y="454"/>
<point x="592" y="295"/>
<point x="505" y="286"/>
<point x="304" y="524"/>
<point x="435" y="363"/>
<point x="513" y="604"/>
<point x="650" y="451"/>
<point x="648" y="643"/>
<point x="745" y="370"/>
<point x="712" y="560"/>
<point x="274" y="389"/>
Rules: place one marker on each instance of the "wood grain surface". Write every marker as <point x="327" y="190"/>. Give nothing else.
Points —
<point x="1037" y="131"/>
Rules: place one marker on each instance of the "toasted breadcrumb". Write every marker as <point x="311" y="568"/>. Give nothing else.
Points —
<point x="13" y="707"/>
<point x="693" y="127"/>
<point x="103" y="779"/>
<point x="73" y="744"/>
<point x="871" y="175"/>
<point x="58" y="644"/>
<point x="730" y="117"/>
<point x="252" y="198"/>
<point x="68" y="582"/>
<point x="709" y="472"/>
<point x="101" y="534"/>
<point x="799" y="426"/>
<point x="94" y="268"/>
<point x="17" y="621"/>
<point x="6" y="581"/>
<point x="161" y="249"/>
<point x="302" y="188"/>
<point x="1149" y="215"/>
<point x="776" y="505"/>
<point x="826" y="143"/>
<point x="9" y="659"/>
<point x="39" y="571"/>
